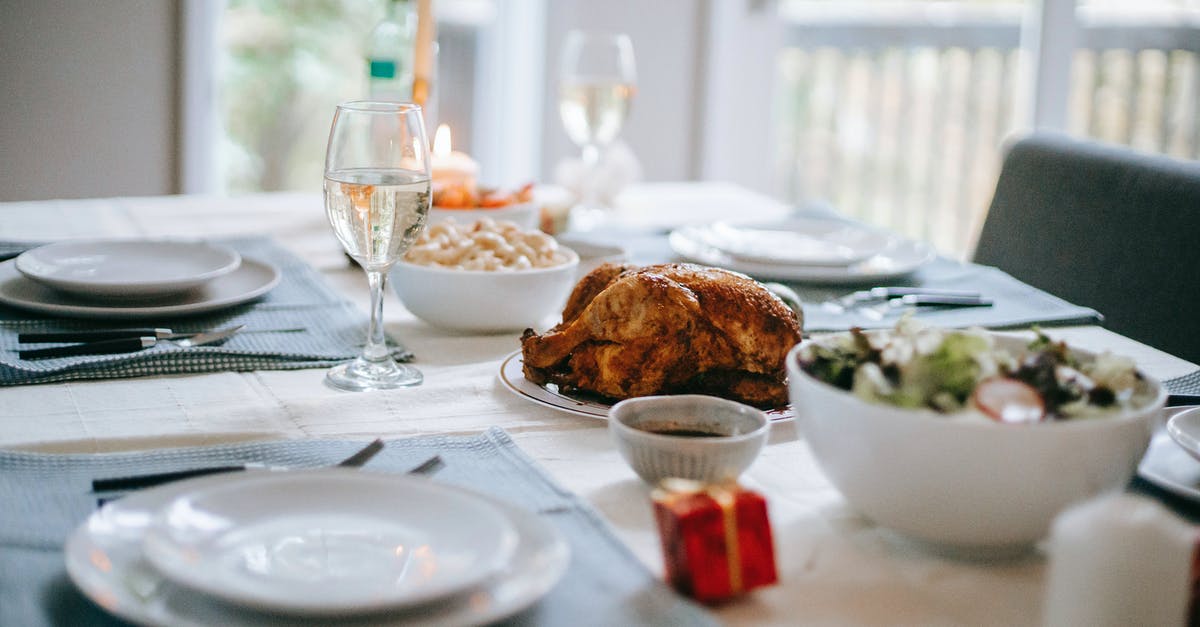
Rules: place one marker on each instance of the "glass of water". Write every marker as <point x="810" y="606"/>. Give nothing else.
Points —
<point x="377" y="200"/>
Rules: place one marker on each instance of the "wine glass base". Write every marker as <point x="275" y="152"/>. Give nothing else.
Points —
<point x="584" y="218"/>
<point x="360" y="374"/>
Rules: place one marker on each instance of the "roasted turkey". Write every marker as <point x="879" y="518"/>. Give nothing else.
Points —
<point x="667" y="329"/>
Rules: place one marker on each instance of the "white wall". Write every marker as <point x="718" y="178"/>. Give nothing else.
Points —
<point x="87" y="98"/>
<point x="667" y="37"/>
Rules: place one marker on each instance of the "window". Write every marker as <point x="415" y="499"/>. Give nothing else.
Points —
<point x="896" y="112"/>
<point x="264" y="77"/>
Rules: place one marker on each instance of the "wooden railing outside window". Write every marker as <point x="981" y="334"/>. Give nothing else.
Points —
<point x="901" y="121"/>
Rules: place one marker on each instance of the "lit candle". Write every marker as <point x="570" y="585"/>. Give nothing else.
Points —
<point x="451" y="167"/>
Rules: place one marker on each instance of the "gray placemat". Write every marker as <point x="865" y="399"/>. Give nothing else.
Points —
<point x="1016" y="304"/>
<point x="1188" y="384"/>
<point x="44" y="497"/>
<point x="332" y="330"/>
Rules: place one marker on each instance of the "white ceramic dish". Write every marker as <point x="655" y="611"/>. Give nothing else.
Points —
<point x="249" y="281"/>
<point x="329" y="542"/>
<point x="524" y="215"/>
<point x="484" y="301"/>
<point x="127" y="268"/>
<point x="104" y="559"/>
<point x="514" y="380"/>
<point x="592" y="254"/>
<point x="898" y="257"/>
<point x="975" y="487"/>
<point x="804" y="242"/>
<point x="1167" y="464"/>
<point x="637" y="427"/>
<point x="1184" y="428"/>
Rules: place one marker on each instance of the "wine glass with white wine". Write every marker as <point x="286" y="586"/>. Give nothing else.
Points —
<point x="597" y="80"/>
<point x="377" y="200"/>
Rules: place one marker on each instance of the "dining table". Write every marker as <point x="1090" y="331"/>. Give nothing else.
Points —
<point x="834" y="565"/>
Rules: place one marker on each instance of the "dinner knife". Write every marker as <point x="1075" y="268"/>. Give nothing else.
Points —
<point x="97" y="335"/>
<point x="885" y="293"/>
<point x="127" y="345"/>
<point x="104" y="347"/>
<point x="113" y="334"/>
<point x="357" y="460"/>
<point x="939" y="300"/>
<point x="862" y="297"/>
<point x="877" y="312"/>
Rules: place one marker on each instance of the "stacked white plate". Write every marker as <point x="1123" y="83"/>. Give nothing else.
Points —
<point x="812" y="250"/>
<point x="126" y="279"/>
<point x="264" y="548"/>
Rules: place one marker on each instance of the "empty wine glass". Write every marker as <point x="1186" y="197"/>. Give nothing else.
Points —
<point x="597" y="80"/>
<point x="377" y="199"/>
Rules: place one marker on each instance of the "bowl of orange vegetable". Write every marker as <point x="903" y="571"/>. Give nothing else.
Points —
<point x="466" y="203"/>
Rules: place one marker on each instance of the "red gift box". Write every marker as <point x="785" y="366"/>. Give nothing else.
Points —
<point x="716" y="539"/>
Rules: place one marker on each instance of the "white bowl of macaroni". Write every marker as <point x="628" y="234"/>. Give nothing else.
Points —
<point x="485" y="277"/>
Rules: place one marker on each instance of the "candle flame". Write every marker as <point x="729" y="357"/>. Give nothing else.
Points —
<point x="441" y="141"/>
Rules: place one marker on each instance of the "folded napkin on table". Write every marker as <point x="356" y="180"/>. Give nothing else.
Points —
<point x="333" y="331"/>
<point x="43" y="497"/>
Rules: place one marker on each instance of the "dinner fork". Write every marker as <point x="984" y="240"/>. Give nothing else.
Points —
<point x="135" y="482"/>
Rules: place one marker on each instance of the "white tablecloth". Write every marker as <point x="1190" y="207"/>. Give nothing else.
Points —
<point x="835" y="567"/>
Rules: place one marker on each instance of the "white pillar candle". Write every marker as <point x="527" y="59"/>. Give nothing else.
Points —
<point x="1119" y="560"/>
<point x="451" y="167"/>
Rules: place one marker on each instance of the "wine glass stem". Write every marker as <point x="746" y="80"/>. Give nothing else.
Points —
<point x="376" y="347"/>
<point x="591" y="162"/>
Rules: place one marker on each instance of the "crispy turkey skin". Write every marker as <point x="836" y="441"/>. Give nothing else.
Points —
<point x="667" y="329"/>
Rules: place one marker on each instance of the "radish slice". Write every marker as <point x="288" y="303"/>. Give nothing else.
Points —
<point x="1009" y="401"/>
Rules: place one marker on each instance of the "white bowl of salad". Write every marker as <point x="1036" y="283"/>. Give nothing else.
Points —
<point x="969" y="440"/>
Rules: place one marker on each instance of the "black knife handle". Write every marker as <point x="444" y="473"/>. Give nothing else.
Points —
<point x="929" y="300"/>
<point x="87" y="336"/>
<point x="892" y="292"/>
<point x="106" y="347"/>
<point x="1180" y="400"/>
<point x="136" y="482"/>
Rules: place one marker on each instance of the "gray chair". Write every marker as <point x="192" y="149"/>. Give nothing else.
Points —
<point x="1104" y="227"/>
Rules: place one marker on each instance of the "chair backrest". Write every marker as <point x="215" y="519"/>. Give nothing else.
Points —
<point x="1104" y="227"/>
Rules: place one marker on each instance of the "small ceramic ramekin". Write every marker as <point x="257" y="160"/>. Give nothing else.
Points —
<point x="735" y="433"/>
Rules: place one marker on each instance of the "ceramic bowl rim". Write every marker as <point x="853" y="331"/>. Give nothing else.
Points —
<point x="925" y="416"/>
<point x="571" y="263"/>
<point x="618" y="413"/>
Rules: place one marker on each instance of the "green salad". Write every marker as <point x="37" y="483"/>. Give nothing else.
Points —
<point x="951" y="371"/>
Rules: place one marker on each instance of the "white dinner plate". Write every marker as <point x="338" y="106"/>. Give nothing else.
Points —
<point x="1167" y="464"/>
<point x="329" y="542"/>
<point x="104" y="559"/>
<point x="513" y="378"/>
<point x="127" y="268"/>
<point x="1184" y="428"/>
<point x="249" y="281"/>
<point x="898" y="257"/>
<point x="800" y="241"/>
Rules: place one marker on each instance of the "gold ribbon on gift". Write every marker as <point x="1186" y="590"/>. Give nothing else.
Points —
<point x="725" y="496"/>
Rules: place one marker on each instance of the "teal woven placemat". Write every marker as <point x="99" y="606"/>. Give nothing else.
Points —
<point x="44" y="497"/>
<point x="333" y="330"/>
